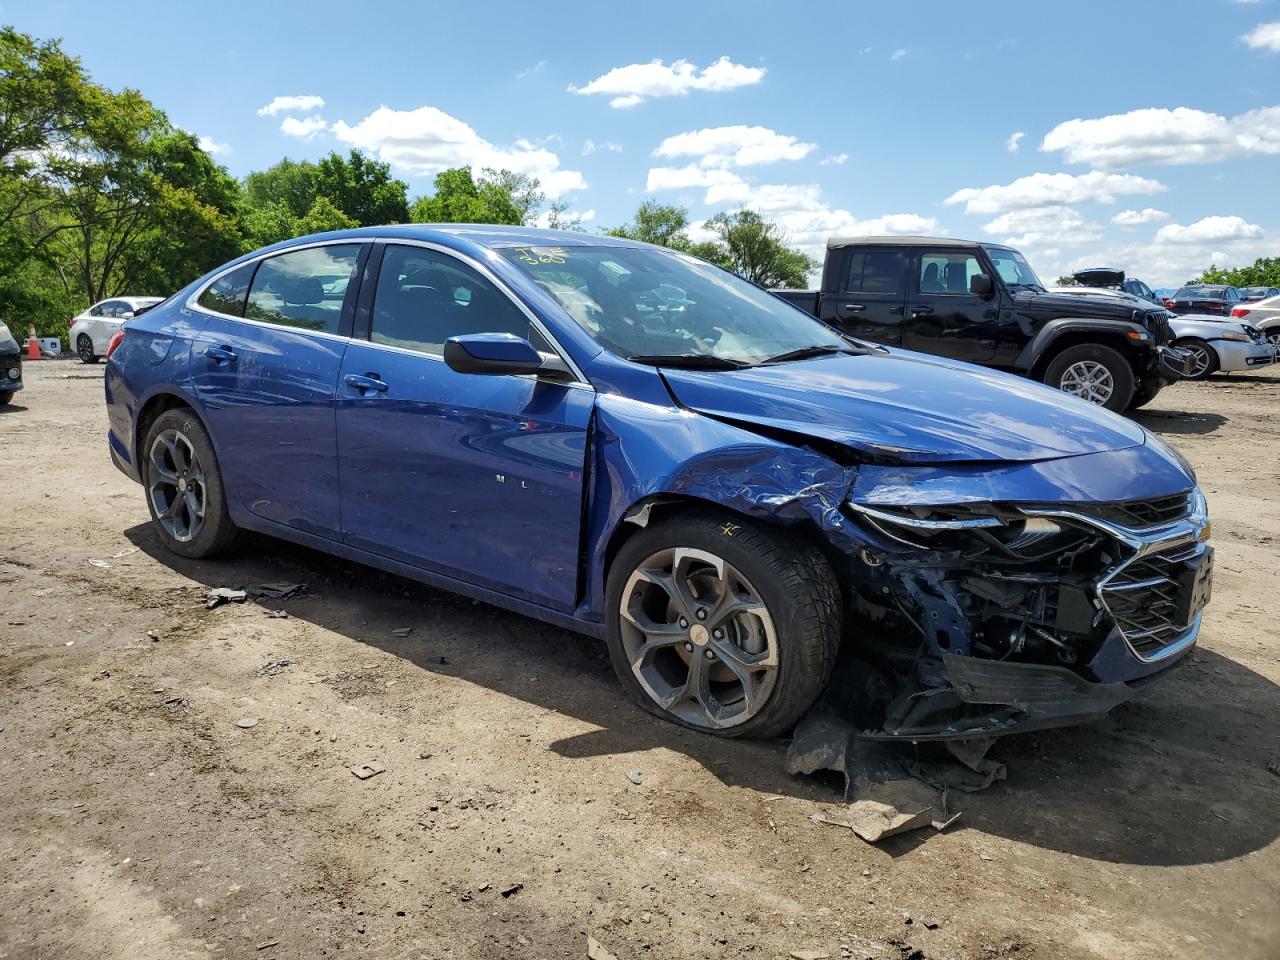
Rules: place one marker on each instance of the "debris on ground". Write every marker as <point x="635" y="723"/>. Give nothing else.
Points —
<point x="276" y="591"/>
<point x="217" y="596"/>
<point x="1274" y="767"/>
<point x="402" y="631"/>
<point x="597" y="951"/>
<point x="810" y="954"/>
<point x="438" y="661"/>
<point x="888" y="809"/>
<point x="277" y="614"/>
<point x="247" y="723"/>
<point x="268" y="944"/>
<point x="99" y="563"/>
<point x="274" y="667"/>
<point x="635" y="777"/>
<point x="511" y="889"/>
<point x="364" y="771"/>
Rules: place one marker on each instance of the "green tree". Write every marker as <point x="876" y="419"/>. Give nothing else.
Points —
<point x="498" y="196"/>
<point x="324" y="216"/>
<point x="289" y="183"/>
<point x="757" y="250"/>
<point x="362" y="188"/>
<point x="1265" y="272"/>
<point x="657" y="223"/>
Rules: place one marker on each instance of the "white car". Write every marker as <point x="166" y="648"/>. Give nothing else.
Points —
<point x="1222" y="344"/>
<point x="91" y="331"/>
<point x="1264" y="314"/>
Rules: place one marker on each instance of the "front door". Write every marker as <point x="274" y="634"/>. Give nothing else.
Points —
<point x="265" y="370"/>
<point x="868" y="299"/>
<point x="943" y="317"/>
<point x="473" y="476"/>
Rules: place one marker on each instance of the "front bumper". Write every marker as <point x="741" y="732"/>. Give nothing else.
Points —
<point x="10" y="364"/>
<point x="1171" y="364"/>
<point x="1233" y="355"/>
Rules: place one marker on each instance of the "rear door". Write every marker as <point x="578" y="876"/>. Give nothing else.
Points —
<point x="869" y="294"/>
<point x="473" y="476"/>
<point x="943" y="317"/>
<point x="265" y="367"/>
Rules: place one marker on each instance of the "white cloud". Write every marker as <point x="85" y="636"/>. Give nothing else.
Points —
<point x="1214" y="230"/>
<point x="1164" y="264"/>
<point x="837" y="160"/>
<point x="427" y="140"/>
<point x="1136" y="218"/>
<point x="1041" y="226"/>
<point x="898" y="54"/>
<point x="734" y="146"/>
<point x="213" y="147"/>
<point x="1265" y="36"/>
<point x="1050" y="189"/>
<point x="799" y="209"/>
<point x="306" y="128"/>
<point x="590" y="146"/>
<point x="299" y="104"/>
<point x="1156" y="135"/>
<point x="530" y="70"/>
<point x="1014" y="141"/>
<point x="631" y="84"/>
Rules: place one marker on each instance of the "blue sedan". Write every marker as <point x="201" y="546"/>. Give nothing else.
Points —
<point x="632" y="443"/>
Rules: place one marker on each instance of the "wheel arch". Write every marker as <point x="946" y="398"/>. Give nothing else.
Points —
<point x="151" y="408"/>
<point x="1066" y="332"/>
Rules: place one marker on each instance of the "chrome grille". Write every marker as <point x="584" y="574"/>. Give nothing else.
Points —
<point x="1143" y="599"/>
<point x="1138" y="514"/>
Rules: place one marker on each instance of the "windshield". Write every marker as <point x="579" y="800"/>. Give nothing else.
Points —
<point x="1013" y="267"/>
<point x="649" y="303"/>
<point x="1200" y="293"/>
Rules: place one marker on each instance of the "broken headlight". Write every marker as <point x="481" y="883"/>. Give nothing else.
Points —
<point x="978" y="528"/>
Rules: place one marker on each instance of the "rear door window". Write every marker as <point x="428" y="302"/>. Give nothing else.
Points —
<point x="876" y="271"/>
<point x="303" y="288"/>
<point x="227" y="294"/>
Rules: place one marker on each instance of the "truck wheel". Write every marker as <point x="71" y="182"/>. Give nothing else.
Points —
<point x="1145" y="394"/>
<point x="1204" y="359"/>
<point x="1092" y="372"/>
<point x="721" y="625"/>
<point x="6" y="397"/>
<point x="84" y="349"/>
<point x="184" y="486"/>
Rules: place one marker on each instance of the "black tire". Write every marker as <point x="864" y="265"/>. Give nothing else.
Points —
<point x="1145" y="394"/>
<point x="1122" y="379"/>
<point x="84" y="349"/>
<point x="795" y="584"/>
<point x="215" y="533"/>
<point x="1201" y="353"/>
<point x="6" y="397"/>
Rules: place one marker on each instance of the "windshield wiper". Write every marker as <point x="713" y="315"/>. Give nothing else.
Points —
<point x="689" y="361"/>
<point x="804" y="353"/>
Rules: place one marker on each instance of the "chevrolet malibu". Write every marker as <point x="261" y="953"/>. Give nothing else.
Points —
<point x="631" y="443"/>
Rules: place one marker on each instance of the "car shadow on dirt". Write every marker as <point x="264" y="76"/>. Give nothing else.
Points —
<point x="1179" y="776"/>
<point x="12" y="407"/>
<point x="1178" y="421"/>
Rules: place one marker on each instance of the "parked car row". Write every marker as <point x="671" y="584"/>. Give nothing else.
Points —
<point x="632" y="443"/>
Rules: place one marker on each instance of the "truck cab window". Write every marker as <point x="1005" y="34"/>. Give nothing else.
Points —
<point x="876" y="271"/>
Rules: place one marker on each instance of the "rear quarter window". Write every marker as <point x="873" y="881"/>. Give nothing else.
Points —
<point x="227" y="294"/>
<point x="876" y="271"/>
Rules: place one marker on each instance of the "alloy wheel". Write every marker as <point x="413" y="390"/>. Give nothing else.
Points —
<point x="176" y="485"/>
<point x="84" y="348"/>
<point x="1088" y="380"/>
<point x="1200" y="360"/>
<point x="1273" y="337"/>
<point x="699" y="638"/>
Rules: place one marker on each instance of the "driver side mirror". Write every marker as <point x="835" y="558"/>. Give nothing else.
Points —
<point x="491" y="353"/>
<point x="127" y="315"/>
<point x="980" y="285"/>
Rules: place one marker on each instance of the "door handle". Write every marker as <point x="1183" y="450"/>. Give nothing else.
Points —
<point x="921" y="311"/>
<point x="221" y="355"/>
<point x="853" y="307"/>
<point x="365" y="384"/>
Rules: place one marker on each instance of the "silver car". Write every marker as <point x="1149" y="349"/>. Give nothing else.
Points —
<point x="1264" y="314"/>
<point x="1222" y="344"/>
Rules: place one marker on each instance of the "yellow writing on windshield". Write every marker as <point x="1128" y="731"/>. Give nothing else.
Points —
<point x="541" y="256"/>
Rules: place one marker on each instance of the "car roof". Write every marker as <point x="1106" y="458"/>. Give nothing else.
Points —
<point x="907" y="241"/>
<point x="493" y="236"/>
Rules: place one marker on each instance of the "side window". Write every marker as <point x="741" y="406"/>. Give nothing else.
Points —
<point x="423" y="298"/>
<point x="97" y="310"/>
<point x="948" y="273"/>
<point x="304" y="289"/>
<point x="227" y="294"/>
<point x="876" y="271"/>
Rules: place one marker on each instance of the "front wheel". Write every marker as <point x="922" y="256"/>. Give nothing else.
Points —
<point x="722" y="625"/>
<point x="1204" y="361"/>
<point x="84" y="349"/>
<point x="1093" y="372"/>
<point x="184" y="486"/>
<point x="6" y="397"/>
<point x="1145" y="393"/>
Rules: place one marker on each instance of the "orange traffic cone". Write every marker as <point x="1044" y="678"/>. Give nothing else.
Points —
<point x="33" y="345"/>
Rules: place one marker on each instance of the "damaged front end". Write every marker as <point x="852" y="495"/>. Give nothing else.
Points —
<point x="995" y="617"/>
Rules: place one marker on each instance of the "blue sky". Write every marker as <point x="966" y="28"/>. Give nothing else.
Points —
<point x="1150" y="131"/>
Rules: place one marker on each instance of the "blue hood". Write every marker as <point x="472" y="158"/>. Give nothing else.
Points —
<point x="908" y="408"/>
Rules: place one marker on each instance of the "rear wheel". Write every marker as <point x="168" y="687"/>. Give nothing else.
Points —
<point x="184" y="486"/>
<point x="84" y="349"/>
<point x="1204" y="360"/>
<point x="1093" y="372"/>
<point x="722" y="625"/>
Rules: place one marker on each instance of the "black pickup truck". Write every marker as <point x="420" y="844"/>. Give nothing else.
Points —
<point x="982" y="302"/>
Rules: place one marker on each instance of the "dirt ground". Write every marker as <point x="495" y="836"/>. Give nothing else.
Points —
<point x="141" y="820"/>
